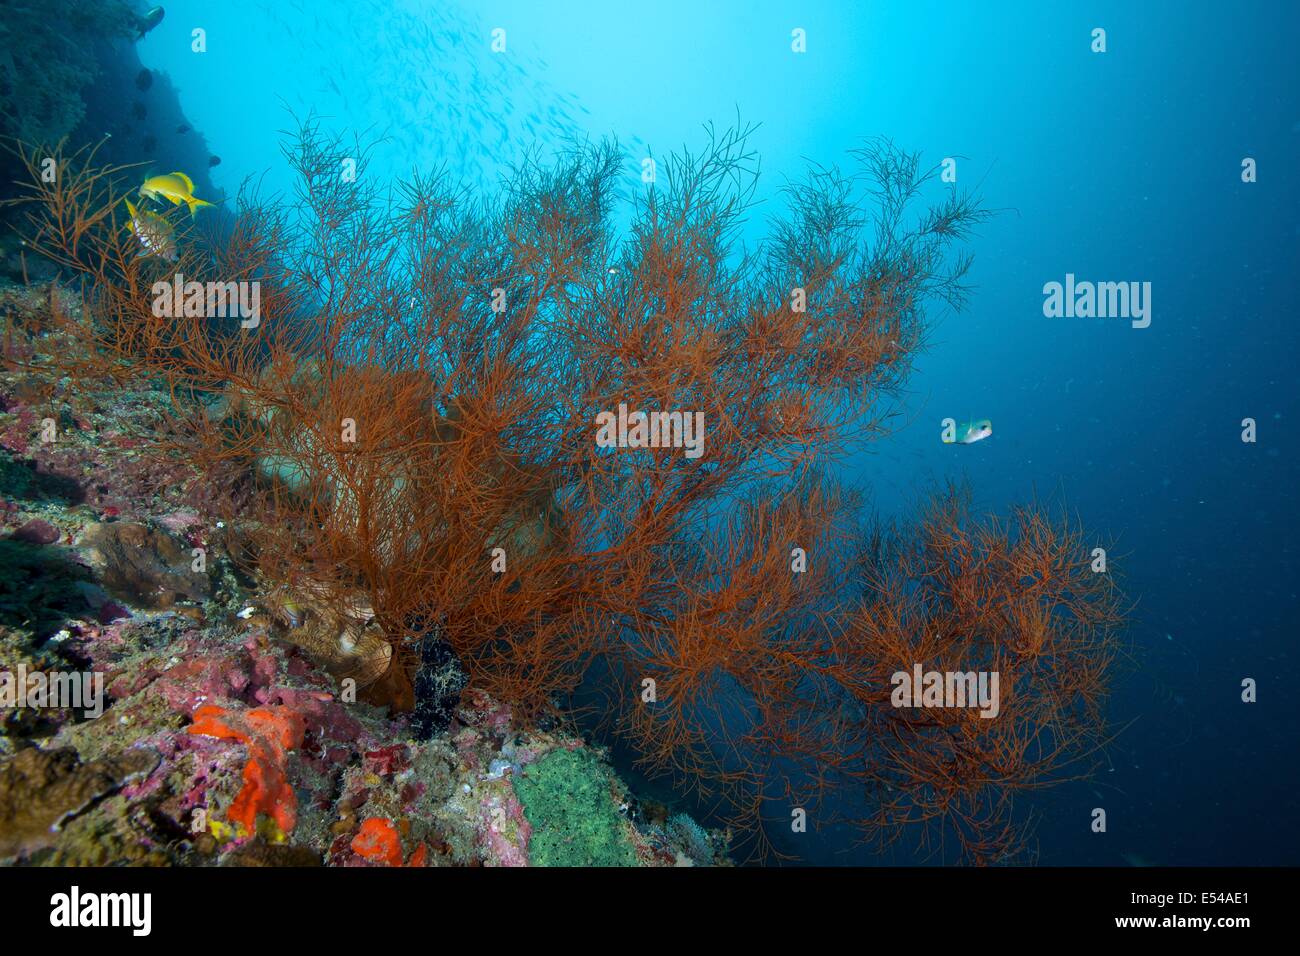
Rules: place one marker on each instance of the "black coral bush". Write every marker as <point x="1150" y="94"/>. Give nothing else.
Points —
<point x="582" y="439"/>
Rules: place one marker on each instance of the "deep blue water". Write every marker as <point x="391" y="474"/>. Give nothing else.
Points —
<point x="1115" y="166"/>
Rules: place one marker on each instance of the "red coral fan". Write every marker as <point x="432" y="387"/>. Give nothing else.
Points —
<point x="270" y="733"/>
<point x="414" y="424"/>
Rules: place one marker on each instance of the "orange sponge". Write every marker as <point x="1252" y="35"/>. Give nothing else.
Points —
<point x="378" y="842"/>
<point x="270" y="733"/>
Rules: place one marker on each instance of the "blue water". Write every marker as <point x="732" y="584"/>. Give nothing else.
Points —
<point x="1123" y="166"/>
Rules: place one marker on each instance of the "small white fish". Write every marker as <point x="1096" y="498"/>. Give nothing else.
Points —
<point x="972" y="432"/>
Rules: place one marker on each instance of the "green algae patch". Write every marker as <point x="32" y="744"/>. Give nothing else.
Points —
<point x="568" y="802"/>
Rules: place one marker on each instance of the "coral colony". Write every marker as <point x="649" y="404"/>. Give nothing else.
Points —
<point x="408" y="524"/>
<point x="352" y="525"/>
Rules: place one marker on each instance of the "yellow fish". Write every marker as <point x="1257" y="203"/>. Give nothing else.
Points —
<point x="154" y="232"/>
<point x="176" y="188"/>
